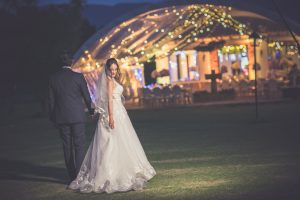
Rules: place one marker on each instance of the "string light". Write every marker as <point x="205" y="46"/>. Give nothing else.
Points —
<point x="195" y="18"/>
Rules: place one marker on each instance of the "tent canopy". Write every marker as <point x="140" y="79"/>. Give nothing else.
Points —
<point x="162" y="29"/>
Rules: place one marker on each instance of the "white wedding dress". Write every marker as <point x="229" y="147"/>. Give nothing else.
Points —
<point x="115" y="160"/>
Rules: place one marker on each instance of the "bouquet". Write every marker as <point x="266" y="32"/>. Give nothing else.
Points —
<point x="103" y="117"/>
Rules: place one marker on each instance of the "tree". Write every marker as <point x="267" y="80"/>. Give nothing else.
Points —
<point x="33" y="38"/>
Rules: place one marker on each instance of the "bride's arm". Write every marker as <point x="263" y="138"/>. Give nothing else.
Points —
<point x="110" y="102"/>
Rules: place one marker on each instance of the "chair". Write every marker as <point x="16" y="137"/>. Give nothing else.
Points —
<point x="157" y="96"/>
<point x="261" y="89"/>
<point x="167" y="95"/>
<point x="243" y="88"/>
<point x="177" y="94"/>
<point x="273" y="89"/>
<point x="187" y="95"/>
<point x="147" y="97"/>
<point x="226" y="85"/>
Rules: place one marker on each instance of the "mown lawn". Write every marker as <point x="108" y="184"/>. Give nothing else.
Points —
<point x="205" y="152"/>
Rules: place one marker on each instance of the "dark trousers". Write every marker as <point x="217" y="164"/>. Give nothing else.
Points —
<point x="73" y="137"/>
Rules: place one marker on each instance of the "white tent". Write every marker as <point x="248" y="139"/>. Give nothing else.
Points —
<point x="160" y="30"/>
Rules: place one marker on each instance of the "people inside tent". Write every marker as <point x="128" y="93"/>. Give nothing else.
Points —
<point x="293" y="76"/>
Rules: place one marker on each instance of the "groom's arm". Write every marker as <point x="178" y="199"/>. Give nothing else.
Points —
<point x="86" y="95"/>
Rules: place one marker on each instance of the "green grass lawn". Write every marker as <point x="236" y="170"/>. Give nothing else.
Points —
<point x="205" y="152"/>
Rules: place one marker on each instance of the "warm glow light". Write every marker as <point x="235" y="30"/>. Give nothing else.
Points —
<point x="138" y="39"/>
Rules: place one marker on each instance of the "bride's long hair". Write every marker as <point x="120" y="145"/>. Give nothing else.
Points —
<point x="108" y="63"/>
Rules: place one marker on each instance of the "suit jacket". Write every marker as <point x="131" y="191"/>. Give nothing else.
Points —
<point x="67" y="90"/>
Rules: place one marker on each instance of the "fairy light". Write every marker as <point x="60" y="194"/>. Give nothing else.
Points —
<point x="197" y="18"/>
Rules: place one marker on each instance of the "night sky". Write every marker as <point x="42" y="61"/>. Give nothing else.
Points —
<point x="106" y="2"/>
<point x="287" y="7"/>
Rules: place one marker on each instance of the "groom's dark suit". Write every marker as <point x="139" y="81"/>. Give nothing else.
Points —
<point x="67" y="90"/>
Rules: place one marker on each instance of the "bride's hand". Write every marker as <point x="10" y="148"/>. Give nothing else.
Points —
<point x="111" y="122"/>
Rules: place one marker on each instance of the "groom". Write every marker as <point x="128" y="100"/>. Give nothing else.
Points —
<point x="66" y="91"/>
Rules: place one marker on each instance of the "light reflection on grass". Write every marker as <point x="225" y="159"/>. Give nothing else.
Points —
<point x="203" y="155"/>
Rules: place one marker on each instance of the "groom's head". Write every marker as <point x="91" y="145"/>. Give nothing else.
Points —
<point x="66" y="58"/>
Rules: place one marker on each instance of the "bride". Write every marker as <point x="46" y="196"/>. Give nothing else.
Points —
<point x="115" y="160"/>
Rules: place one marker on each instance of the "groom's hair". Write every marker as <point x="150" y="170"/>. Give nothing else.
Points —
<point x="66" y="58"/>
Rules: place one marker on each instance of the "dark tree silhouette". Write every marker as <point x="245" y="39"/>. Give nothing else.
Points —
<point x="32" y="39"/>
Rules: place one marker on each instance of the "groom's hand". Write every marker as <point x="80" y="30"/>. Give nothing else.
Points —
<point x="95" y="116"/>
<point x="92" y="111"/>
